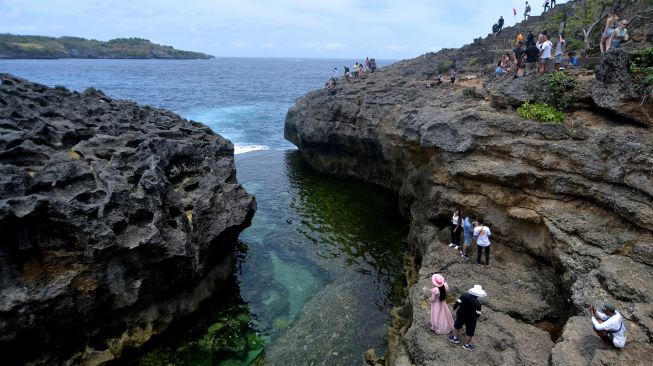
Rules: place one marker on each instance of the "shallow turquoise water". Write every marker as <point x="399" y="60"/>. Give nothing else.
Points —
<point x="313" y="238"/>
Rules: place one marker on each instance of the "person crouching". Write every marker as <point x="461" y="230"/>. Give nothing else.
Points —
<point x="609" y="324"/>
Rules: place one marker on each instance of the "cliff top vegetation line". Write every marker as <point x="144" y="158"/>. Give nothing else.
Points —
<point x="20" y="46"/>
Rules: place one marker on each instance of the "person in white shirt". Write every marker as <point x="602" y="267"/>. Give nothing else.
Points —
<point x="545" y="52"/>
<point x="482" y="234"/>
<point x="609" y="325"/>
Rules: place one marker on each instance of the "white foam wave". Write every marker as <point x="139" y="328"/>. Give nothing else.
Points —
<point x="241" y="149"/>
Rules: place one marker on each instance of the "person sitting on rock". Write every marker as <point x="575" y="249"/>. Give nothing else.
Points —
<point x="468" y="311"/>
<point x="609" y="325"/>
<point x="441" y="318"/>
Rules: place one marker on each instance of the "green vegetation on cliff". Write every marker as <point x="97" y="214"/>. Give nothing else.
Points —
<point x="16" y="46"/>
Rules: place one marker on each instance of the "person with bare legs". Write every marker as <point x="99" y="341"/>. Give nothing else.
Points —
<point x="468" y="309"/>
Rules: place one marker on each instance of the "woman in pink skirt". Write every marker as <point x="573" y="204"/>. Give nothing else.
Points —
<point x="441" y="319"/>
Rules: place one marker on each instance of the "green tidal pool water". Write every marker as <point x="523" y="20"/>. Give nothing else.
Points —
<point x="317" y="274"/>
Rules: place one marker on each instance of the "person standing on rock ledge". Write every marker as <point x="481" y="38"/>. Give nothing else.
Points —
<point x="469" y="310"/>
<point x="456" y="228"/>
<point x="441" y="318"/>
<point x="468" y="233"/>
<point x="482" y="234"/>
<point x="609" y="325"/>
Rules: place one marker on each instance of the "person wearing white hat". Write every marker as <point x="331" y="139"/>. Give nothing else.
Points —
<point x="468" y="311"/>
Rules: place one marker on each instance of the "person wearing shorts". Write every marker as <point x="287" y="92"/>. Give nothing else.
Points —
<point x="468" y="233"/>
<point x="468" y="309"/>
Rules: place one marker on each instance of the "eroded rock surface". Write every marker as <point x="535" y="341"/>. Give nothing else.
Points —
<point x="570" y="205"/>
<point x="115" y="219"/>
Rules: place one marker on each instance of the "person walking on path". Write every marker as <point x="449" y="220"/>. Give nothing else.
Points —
<point x="468" y="311"/>
<point x="456" y="228"/>
<point x="619" y="35"/>
<point x="441" y="318"/>
<point x="527" y="11"/>
<point x="482" y="234"/>
<point x="468" y="233"/>
<point x="609" y="325"/>
<point x="610" y="25"/>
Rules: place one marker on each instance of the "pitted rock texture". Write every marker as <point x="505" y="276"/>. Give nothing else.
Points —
<point x="115" y="219"/>
<point x="570" y="206"/>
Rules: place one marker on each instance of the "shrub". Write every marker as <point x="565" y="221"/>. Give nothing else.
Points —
<point x="640" y="65"/>
<point x="444" y="66"/>
<point x="541" y="112"/>
<point x="473" y="61"/>
<point x="560" y="89"/>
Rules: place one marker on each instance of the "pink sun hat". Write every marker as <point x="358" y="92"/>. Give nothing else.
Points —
<point x="437" y="279"/>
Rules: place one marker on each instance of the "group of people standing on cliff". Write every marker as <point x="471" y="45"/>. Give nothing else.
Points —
<point x="471" y="228"/>
<point x="607" y="323"/>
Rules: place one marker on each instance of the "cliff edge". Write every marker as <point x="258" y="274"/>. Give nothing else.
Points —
<point x="570" y="205"/>
<point x="115" y="220"/>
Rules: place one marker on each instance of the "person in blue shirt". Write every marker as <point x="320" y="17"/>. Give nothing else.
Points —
<point x="468" y="233"/>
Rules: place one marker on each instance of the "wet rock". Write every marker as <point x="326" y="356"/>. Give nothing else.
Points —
<point x="116" y="219"/>
<point x="570" y="205"/>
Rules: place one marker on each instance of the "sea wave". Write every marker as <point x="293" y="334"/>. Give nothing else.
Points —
<point x="241" y="149"/>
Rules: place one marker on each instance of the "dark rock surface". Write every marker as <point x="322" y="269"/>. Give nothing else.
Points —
<point x="570" y="205"/>
<point x="115" y="219"/>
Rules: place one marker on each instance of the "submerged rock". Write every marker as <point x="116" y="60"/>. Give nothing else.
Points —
<point x="115" y="218"/>
<point x="570" y="205"/>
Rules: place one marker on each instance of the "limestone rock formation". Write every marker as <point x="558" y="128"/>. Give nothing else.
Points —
<point x="115" y="219"/>
<point x="570" y="206"/>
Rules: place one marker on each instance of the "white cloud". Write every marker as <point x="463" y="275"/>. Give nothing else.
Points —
<point x="238" y="44"/>
<point x="396" y="47"/>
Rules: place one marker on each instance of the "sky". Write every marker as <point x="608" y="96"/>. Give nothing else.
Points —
<point x="384" y="29"/>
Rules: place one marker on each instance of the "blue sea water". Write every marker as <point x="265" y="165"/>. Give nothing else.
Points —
<point x="323" y="255"/>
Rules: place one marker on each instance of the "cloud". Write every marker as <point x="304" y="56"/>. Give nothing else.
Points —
<point x="238" y="44"/>
<point x="396" y="47"/>
<point x="329" y="46"/>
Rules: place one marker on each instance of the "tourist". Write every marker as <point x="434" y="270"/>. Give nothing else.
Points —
<point x="527" y="11"/>
<point x="367" y="63"/>
<point x="452" y="74"/>
<point x="500" y="24"/>
<point x="609" y="325"/>
<point x="482" y="234"/>
<point x="545" y="53"/>
<point x="331" y="86"/>
<point x="530" y="39"/>
<point x="468" y="234"/>
<point x="519" y="38"/>
<point x="361" y="72"/>
<point x="610" y="24"/>
<point x="456" y="228"/>
<point x="495" y="29"/>
<point x="532" y="54"/>
<point x="441" y="318"/>
<point x="574" y="60"/>
<point x="500" y="71"/>
<point x="335" y="73"/>
<point x="560" y="50"/>
<point x="553" y="3"/>
<point x="619" y="35"/>
<point x="518" y="55"/>
<point x="546" y="6"/>
<point x="469" y="310"/>
<point x="372" y="64"/>
<point x="505" y="61"/>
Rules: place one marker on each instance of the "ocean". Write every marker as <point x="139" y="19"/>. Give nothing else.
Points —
<point x="320" y="266"/>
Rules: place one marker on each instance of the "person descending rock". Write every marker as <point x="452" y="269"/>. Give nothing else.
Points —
<point x="609" y="325"/>
<point x="482" y="234"/>
<point x="456" y="228"/>
<point x="527" y="11"/>
<point x="469" y="310"/>
<point x="468" y="233"/>
<point x="441" y="318"/>
<point x="545" y="6"/>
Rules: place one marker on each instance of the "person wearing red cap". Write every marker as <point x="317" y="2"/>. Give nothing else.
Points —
<point x="441" y="318"/>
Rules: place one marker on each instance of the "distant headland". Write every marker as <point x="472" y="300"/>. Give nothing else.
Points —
<point x="19" y="46"/>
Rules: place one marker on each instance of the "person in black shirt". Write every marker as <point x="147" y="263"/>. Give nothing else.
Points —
<point x="500" y="24"/>
<point x="468" y="309"/>
<point x="518" y="55"/>
<point x="532" y="53"/>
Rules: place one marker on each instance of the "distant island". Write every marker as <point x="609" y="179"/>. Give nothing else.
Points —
<point x="17" y="46"/>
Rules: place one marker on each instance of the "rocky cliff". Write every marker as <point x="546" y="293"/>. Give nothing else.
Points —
<point x="570" y="205"/>
<point x="115" y="219"/>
